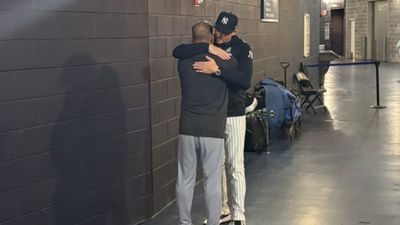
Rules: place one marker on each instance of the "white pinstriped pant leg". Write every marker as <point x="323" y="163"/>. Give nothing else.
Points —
<point x="234" y="165"/>
<point x="224" y="189"/>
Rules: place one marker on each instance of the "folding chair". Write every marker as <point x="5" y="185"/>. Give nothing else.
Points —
<point x="309" y="93"/>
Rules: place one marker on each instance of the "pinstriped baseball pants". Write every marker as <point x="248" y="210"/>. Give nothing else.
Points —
<point x="233" y="176"/>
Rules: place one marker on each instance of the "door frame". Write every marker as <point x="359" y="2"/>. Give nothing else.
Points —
<point x="371" y="45"/>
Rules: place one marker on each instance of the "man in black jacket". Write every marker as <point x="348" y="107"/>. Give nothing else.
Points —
<point x="201" y="131"/>
<point x="238" y="80"/>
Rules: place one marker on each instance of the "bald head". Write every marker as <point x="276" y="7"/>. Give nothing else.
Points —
<point x="202" y="32"/>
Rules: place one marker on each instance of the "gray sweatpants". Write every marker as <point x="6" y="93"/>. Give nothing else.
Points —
<point x="210" y="152"/>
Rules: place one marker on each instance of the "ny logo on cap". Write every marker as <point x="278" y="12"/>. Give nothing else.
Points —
<point x="225" y="20"/>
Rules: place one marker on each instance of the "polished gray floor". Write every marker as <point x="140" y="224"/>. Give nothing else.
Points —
<point x="344" y="167"/>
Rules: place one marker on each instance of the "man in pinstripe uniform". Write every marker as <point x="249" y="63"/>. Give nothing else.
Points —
<point x="234" y="184"/>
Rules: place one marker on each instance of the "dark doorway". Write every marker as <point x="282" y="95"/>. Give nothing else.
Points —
<point x="337" y="31"/>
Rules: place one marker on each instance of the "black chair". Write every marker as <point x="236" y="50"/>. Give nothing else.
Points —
<point x="309" y="93"/>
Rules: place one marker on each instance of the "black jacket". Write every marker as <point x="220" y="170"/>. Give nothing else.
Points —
<point x="238" y="79"/>
<point x="204" y="99"/>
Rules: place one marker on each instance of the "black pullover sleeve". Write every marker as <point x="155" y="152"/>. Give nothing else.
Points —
<point x="185" y="51"/>
<point x="241" y="77"/>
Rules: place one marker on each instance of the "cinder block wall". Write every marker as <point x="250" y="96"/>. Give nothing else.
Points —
<point x="393" y="31"/>
<point x="167" y="27"/>
<point x="74" y="112"/>
<point x="90" y="100"/>
<point x="358" y="9"/>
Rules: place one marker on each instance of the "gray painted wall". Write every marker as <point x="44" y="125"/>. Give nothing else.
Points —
<point x="358" y="9"/>
<point x="90" y="100"/>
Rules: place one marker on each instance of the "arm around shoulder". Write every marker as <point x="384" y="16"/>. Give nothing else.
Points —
<point x="185" y="51"/>
<point x="241" y="76"/>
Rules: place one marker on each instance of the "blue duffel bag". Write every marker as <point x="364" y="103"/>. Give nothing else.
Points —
<point x="282" y="103"/>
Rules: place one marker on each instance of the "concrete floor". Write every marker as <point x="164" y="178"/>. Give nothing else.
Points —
<point x="344" y="167"/>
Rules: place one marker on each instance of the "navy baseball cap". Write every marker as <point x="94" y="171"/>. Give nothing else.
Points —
<point x="226" y="23"/>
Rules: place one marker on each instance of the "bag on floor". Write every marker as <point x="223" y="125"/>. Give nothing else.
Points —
<point x="256" y="138"/>
<point x="283" y="104"/>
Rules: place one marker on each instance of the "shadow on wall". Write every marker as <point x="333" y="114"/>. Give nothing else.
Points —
<point x="69" y="154"/>
<point x="89" y="149"/>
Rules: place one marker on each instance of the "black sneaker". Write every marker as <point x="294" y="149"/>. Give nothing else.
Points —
<point x="223" y="219"/>
<point x="238" y="222"/>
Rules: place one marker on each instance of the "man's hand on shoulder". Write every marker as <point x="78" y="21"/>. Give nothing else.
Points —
<point x="218" y="52"/>
<point x="206" y="67"/>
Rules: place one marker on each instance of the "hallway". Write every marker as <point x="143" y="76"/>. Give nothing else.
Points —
<point x="344" y="167"/>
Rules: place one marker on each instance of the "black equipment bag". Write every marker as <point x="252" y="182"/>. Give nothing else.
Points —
<point x="256" y="139"/>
